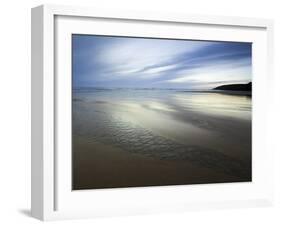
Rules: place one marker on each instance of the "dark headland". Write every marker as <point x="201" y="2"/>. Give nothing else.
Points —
<point x="235" y="87"/>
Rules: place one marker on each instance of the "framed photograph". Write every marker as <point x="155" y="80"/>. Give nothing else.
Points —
<point x="137" y="112"/>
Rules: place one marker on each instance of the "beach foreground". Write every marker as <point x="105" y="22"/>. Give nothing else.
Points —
<point x="129" y="137"/>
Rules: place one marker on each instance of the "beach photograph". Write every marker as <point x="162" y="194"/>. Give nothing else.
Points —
<point x="159" y="112"/>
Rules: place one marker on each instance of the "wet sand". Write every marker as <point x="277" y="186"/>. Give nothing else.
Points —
<point x="168" y="139"/>
<point x="102" y="166"/>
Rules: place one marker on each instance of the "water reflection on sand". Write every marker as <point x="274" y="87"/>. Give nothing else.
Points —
<point x="211" y="130"/>
<point x="220" y="104"/>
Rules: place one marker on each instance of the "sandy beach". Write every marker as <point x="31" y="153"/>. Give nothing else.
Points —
<point x="125" y="138"/>
<point x="101" y="166"/>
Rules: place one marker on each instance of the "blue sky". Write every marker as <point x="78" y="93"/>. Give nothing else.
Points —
<point x="105" y="61"/>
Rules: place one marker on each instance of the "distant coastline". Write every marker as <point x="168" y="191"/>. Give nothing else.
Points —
<point x="230" y="87"/>
<point x="233" y="89"/>
<point x="236" y="87"/>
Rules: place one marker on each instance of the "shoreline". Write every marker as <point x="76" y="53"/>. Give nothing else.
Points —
<point x="131" y="141"/>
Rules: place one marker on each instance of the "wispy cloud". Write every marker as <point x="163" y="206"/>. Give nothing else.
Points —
<point x="126" y="62"/>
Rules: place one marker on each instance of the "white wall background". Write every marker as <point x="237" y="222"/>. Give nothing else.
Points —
<point x="15" y="112"/>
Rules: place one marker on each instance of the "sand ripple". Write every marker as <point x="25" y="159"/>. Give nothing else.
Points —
<point x="102" y="127"/>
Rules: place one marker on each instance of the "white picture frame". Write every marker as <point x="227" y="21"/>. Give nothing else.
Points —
<point x="51" y="196"/>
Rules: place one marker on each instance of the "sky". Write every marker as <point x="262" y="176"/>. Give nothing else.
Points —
<point x="126" y="62"/>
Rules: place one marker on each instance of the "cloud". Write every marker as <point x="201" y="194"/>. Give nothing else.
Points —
<point x="117" y="61"/>
<point x="129" y="56"/>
